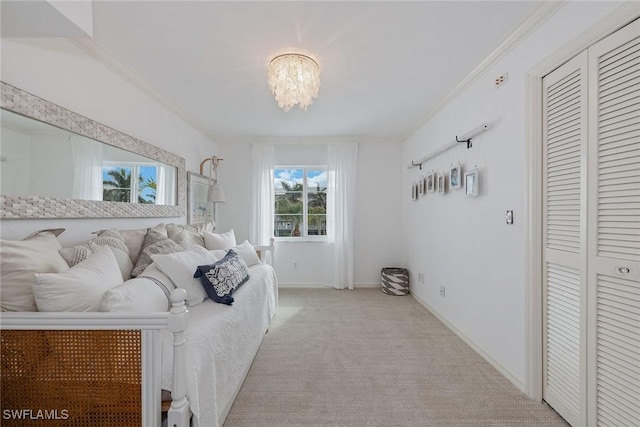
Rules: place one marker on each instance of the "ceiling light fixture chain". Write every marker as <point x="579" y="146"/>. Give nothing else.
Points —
<point x="294" y="78"/>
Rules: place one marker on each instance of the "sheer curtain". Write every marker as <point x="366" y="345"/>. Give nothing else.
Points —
<point x="341" y="188"/>
<point x="263" y="193"/>
<point x="166" y="185"/>
<point x="86" y="155"/>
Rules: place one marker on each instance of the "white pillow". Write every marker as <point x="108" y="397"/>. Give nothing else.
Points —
<point x="138" y="295"/>
<point x="247" y="252"/>
<point x="213" y="241"/>
<point x="19" y="260"/>
<point x="81" y="287"/>
<point x="154" y="273"/>
<point x="181" y="266"/>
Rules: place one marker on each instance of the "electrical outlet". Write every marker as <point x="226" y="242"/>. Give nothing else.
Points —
<point x="421" y="278"/>
<point x="442" y="291"/>
<point x="295" y="265"/>
<point x="502" y="79"/>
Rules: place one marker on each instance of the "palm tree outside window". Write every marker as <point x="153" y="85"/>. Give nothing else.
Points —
<point x="300" y="202"/>
<point x="117" y="185"/>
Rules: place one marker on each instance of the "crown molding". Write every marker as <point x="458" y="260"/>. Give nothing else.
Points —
<point x="533" y="21"/>
<point x="311" y="140"/>
<point x="92" y="48"/>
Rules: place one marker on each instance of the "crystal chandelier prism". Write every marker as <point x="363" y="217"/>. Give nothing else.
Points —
<point x="294" y="78"/>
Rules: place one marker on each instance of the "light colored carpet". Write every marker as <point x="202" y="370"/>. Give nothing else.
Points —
<point x="363" y="358"/>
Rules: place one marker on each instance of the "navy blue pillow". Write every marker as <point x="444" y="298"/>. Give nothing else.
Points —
<point x="222" y="278"/>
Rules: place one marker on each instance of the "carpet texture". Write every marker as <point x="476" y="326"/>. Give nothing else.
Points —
<point x="363" y="358"/>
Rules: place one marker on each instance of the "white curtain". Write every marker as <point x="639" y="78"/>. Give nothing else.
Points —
<point x="341" y="188"/>
<point x="86" y="155"/>
<point x="263" y="193"/>
<point x="166" y="185"/>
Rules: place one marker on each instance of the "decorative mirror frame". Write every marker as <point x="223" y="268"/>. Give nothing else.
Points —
<point x="31" y="207"/>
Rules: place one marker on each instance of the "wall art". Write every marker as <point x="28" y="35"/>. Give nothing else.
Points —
<point x="471" y="183"/>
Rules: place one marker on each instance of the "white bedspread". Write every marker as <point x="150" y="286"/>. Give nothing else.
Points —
<point x="221" y="342"/>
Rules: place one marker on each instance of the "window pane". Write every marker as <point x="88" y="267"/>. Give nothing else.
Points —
<point x="317" y="202"/>
<point x="116" y="184"/>
<point x="288" y="225"/>
<point x="299" y="208"/>
<point x="147" y="184"/>
<point x="317" y="225"/>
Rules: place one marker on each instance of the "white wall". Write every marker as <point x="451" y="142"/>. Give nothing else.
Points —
<point x="59" y="72"/>
<point x="463" y="243"/>
<point x="378" y="211"/>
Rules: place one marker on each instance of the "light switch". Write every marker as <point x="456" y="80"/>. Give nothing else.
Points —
<point x="509" y="217"/>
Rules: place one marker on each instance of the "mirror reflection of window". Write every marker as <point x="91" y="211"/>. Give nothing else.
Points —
<point x="39" y="159"/>
<point x="129" y="182"/>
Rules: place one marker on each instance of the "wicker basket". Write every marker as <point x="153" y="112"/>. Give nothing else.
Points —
<point x="395" y="281"/>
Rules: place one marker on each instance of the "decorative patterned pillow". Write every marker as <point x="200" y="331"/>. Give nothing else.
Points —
<point x="111" y="238"/>
<point x="154" y="243"/>
<point x="221" y="279"/>
<point x="188" y="236"/>
<point x="135" y="238"/>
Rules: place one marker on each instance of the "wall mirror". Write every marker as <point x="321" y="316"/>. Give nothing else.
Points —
<point x="58" y="164"/>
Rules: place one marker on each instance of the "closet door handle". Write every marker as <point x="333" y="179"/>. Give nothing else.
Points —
<point x="624" y="270"/>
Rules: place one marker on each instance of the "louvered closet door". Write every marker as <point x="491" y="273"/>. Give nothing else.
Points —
<point x="614" y="230"/>
<point x="564" y="247"/>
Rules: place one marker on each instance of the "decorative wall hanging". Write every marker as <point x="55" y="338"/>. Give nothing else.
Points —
<point x="421" y="185"/>
<point x="471" y="183"/>
<point x="442" y="182"/>
<point x="455" y="175"/>
<point x="431" y="182"/>
<point x="200" y="208"/>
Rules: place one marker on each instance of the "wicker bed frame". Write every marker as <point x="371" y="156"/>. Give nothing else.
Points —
<point x="90" y="369"/>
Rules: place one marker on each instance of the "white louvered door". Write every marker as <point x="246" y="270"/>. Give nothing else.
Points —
<point x="614" y="230"/>
<point x="591" y="234"/>
<point x="564" y="244"/>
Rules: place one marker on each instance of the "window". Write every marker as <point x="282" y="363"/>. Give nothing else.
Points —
<point x="301" y="202"/>
<point x="117" y="185"/>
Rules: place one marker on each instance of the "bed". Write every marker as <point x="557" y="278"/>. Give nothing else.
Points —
<point x="94" y="368"/>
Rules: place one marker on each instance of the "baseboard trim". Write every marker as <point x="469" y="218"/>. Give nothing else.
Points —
<point x="324" y="285"/>
<point x="299" y="285"/>
<point x="505" y="372"/>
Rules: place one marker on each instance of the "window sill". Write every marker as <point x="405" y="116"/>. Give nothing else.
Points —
<point x="300" y="240"/>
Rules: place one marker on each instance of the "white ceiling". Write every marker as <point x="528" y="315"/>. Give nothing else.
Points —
<point x="384" y="65"/>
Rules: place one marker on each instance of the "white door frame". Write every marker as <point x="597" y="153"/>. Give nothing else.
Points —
<point x="620" y="16"/>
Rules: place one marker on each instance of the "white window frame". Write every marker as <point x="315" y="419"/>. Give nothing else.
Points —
<point x="135" y="171"/>
<point x="304" y="237"/>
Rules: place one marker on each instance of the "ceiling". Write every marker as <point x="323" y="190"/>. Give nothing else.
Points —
<point x="384" y="65"/>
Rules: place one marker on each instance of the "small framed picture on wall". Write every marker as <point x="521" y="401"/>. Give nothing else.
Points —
<point x="442" y="183"/>
<point x="414" y="191"/>
<point x="421" y="184"/>
<point x="455" y="176"/>
<point x="471" y="183"/>
<point x="430" y="182"/>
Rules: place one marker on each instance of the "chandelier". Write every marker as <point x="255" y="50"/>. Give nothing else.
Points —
<point x="294" y="78"/>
